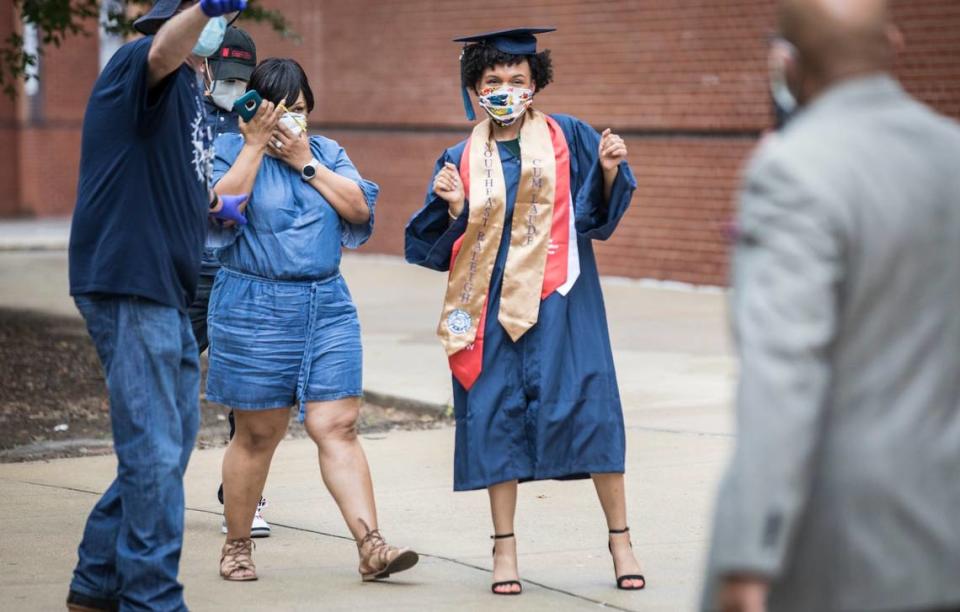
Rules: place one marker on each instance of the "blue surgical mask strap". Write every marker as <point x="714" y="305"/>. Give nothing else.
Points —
<point x="211" y="37"/>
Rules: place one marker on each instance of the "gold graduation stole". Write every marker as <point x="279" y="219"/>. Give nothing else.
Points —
<point x="538" y="239"/>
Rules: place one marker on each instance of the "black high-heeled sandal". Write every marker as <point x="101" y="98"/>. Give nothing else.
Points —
<point x="621" y="580"/>
<point x="496" y="585"/>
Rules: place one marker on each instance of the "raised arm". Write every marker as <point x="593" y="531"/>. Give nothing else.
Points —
<point x="612" y="151"/>
<point x="243" y="172"/>
<point x="432" y="231"/>
<point x="342" y="192"/>
<point x="174" y="42"/>
<point x="606" y="185"/>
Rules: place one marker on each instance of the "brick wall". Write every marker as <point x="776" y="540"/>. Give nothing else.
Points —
<point x="684" y="81"/>
<point x="49" y="150"/>
<point x="9" y="134"/>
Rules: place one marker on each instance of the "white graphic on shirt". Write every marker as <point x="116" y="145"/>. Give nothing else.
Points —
<point x="203" y="152"/>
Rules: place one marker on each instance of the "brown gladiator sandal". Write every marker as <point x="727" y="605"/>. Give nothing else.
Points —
<point x="236" y="559"/>
<point x="378" y="559"/>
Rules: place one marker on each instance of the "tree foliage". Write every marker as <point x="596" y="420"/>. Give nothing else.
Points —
<point x="57" y="20"/>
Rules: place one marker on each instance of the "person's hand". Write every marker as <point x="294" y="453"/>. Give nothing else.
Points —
<point x="743" y="594"/>
<point x="229" y="209"/>
<point x="449" y="187"/>
<point x="294" y="150"/>
<point x="216" y="8"/>
<point x="258" y="131"/>
<point x="612" y="150"/>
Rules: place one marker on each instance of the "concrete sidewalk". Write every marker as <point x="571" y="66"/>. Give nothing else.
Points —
<point x="48" y="234"/>
<point x="676" y="378"/>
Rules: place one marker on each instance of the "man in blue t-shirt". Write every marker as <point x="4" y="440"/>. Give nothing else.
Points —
<point x="138" y="229"/>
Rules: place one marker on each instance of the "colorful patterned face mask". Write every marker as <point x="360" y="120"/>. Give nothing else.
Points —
<point x="505" y="104"/>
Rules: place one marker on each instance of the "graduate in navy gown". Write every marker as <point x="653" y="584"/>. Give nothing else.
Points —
<point x="511" y="214"/>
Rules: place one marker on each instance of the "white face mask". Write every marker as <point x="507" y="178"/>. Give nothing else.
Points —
<point x="225" y="93"/>
<point x="295" y="122"/>
<point x="781" y="61"/>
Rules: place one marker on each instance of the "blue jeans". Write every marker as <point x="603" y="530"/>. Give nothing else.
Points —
<point x="131" y="545"/>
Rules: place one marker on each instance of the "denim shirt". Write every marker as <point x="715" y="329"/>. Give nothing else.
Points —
<point x="292" y="232"/>
<point x="220" y="121"/>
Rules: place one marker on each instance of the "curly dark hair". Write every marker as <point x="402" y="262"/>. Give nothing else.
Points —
<point x="477" y="58"/>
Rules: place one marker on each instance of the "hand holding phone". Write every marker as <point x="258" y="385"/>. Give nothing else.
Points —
<point x="247" y="105"/>
<point x="257" y="131"/>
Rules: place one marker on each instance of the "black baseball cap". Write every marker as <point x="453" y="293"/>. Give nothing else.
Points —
<point x="161" y="11"/>
<point x="236" y="58"/>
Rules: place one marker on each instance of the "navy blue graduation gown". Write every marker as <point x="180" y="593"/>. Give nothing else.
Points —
<point x="546" y="406"/>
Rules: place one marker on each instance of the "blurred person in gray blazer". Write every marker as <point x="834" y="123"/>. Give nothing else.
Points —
<point x="843" y="492"/>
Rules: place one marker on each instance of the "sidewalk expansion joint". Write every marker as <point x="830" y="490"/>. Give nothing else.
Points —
<point x="408" y="404"/>
<point x="335" y="536"/>
<point x="688" y="432"/>
<point x="32" y="248"/>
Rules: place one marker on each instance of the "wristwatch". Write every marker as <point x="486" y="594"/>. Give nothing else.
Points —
<point x="310" y="170"/>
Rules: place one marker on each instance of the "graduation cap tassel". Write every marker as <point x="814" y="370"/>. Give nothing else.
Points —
<point x="467" y="105"/>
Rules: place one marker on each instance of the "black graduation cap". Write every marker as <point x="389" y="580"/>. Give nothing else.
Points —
<point x="515" y="41"/>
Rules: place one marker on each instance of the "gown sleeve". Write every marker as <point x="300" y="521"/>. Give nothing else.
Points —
<point x="334" y="157"/>
<point x="595" y="218"/>
<point x="431" y="232"/>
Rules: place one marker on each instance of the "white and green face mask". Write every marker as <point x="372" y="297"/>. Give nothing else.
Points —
<point x="295" y="122"/>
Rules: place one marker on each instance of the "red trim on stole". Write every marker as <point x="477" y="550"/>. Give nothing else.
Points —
<point x="467" y="364"/>
<point x="555" y="274"/>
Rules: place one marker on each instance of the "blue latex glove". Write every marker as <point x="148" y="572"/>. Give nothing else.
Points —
<point x="230" y="209"/>
<point x="216" y="8"/>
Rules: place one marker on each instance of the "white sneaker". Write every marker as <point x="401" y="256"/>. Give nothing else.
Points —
<point x="260" y="528"/>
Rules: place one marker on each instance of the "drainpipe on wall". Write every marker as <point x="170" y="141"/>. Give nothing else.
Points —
<point x="109" y="41"/>
<point x="31" y="86"/>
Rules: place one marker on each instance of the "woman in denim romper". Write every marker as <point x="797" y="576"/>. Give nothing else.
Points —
<point x="283" y="328"/>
